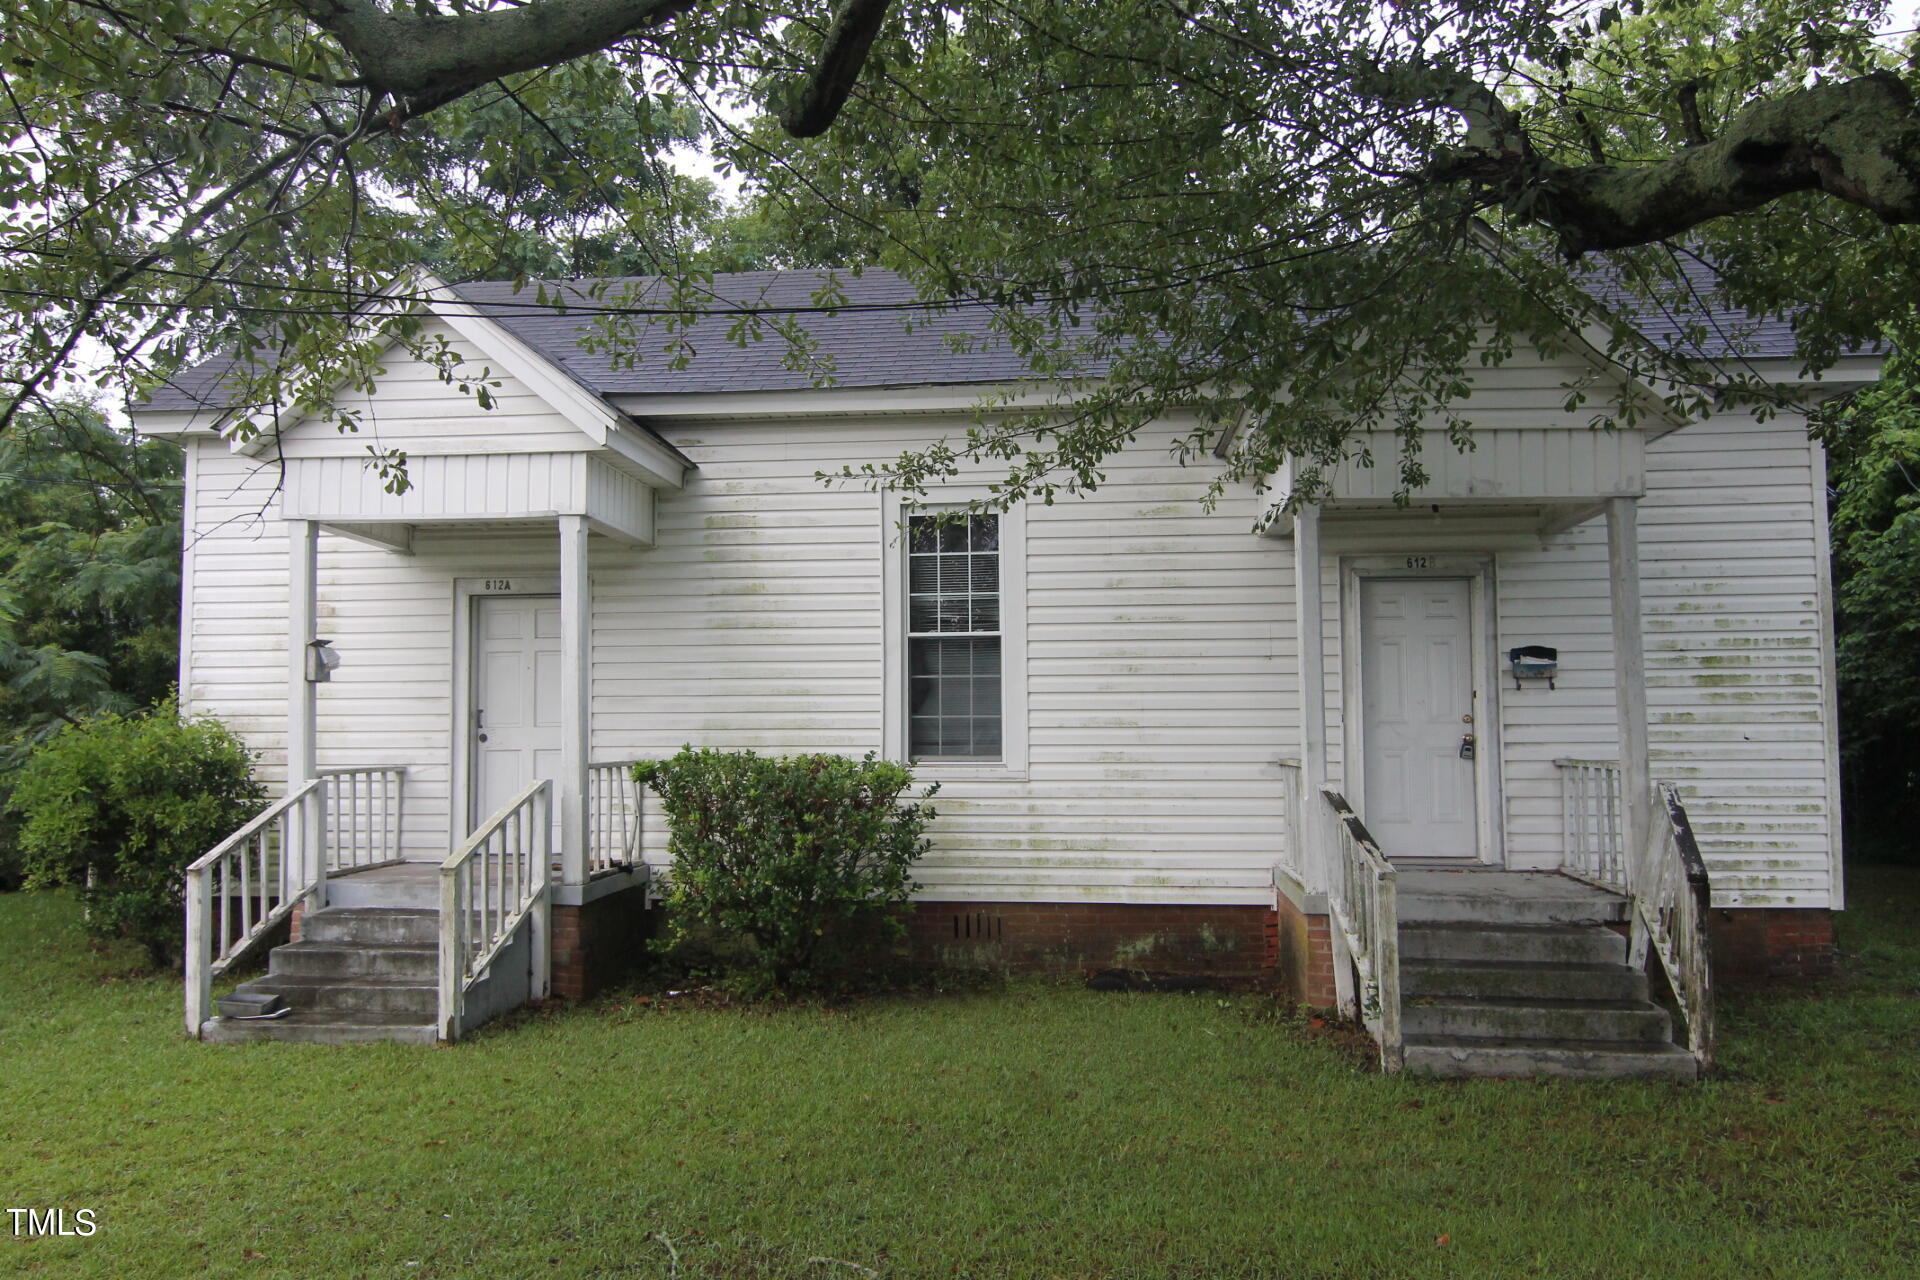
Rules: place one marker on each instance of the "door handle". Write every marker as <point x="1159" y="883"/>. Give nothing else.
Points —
<point x="483" y="737"/>
<point x="1466" y="746"/>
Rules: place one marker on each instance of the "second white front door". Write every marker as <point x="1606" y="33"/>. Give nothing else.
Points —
<point x="516" y="697"/>
<point x="1416" y="680"/>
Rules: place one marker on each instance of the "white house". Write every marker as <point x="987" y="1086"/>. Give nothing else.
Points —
<point x="1162" y="738"/>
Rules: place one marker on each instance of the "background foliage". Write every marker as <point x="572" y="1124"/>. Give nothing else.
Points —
<point x="90" y="543"/>
<point x="119" y="805"/>
<point x="1873" y="445"/>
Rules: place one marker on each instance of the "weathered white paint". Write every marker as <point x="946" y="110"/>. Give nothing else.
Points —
<point x="1416" y="694"/>
<point x="1311" y="665"/>
<point x="1507" y="464"/>
<point x="1164" y="661"/>
<point x="465" y="487"/>
<point x="576" y="672"/>
<point x="1629" y="667"/>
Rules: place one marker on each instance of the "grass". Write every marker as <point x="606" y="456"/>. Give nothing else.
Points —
<point x="1035" y="1131"/>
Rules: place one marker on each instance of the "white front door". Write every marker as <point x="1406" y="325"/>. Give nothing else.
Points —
<point x="1416" y="681"/>
<point x="516" y="698"/>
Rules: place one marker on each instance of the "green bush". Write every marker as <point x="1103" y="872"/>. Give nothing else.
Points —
<point x="119" y="805"/>
<point x="808" y="857"/>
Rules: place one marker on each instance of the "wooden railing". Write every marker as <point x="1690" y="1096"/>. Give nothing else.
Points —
<point x="1295" y="822"/>
<point x="614" y="812"/>
<point x="1365" y="909"/>
<point x="1671" y="897"/>
<point x="491" y="885"/>
<point x="1665" y="883"/>
<point x="1593" y="827"/>
<point x="247" y="884"/>
<point x="364" y="808"/>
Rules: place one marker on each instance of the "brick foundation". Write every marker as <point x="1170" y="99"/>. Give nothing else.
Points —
<point x="1232" y="942"/>
<point x="1752" y="944"/>
<point x="597" y="944"/>
<point x="1303" y="955"/>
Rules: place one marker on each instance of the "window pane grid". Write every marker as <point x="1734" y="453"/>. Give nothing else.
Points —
<point x="953" y="637"/>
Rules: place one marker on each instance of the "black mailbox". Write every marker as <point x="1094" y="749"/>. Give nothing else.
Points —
<point x="1534" y="662"/>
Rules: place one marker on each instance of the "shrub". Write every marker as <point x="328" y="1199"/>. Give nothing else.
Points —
<point x="808" y="857"/>
<point x="119" y="805"/>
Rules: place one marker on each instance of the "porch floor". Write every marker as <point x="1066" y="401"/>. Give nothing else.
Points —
<point x="397" y="884"/>
<point x="1485" y="896"/>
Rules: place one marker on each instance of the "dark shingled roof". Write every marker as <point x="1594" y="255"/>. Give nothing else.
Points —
<point x="1726" y="335"/>
<point x="883" y="336"/>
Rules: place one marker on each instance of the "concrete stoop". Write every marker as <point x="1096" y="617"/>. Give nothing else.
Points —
<point x="1518" y="974"/>
<point x="359" y="974"/>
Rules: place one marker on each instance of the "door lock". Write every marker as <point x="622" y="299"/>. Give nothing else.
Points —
<point x="1466" y="746"/>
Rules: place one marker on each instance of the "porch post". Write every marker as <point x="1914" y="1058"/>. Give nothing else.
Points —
<point x="576" y="642"/>
<point x="1311" y="643"/>
<point x="1629" y="673"/>
<point x="303" y="579"/>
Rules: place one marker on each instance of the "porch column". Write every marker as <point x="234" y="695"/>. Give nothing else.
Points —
<point x="303" y="578"/>
<point x="1311" y="643"/>
<point x="576" y="644"/>
<point x="1629" y="671"/>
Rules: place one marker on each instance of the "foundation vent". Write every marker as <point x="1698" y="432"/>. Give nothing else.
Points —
<point x="979" y="926"/>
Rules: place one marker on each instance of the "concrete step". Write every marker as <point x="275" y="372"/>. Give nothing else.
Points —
<point x="405" y="998"/>
<point x="350" y="960"/>
<point x="405" y="884"/>
<point x="1623" y="1022"/>
<point x="377" y="926"/>
<point x="320" y="1028"/>
<point x="1457" y="1057"/>
<point x="1503" y="897"/>
<point x="1520" y="980"/>
<point x="1537" y="944"/>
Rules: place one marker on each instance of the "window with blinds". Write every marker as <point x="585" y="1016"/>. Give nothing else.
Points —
<point x="953" y="638"/>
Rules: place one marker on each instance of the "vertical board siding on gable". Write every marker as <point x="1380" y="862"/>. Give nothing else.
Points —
<point x="1159" y="663"/>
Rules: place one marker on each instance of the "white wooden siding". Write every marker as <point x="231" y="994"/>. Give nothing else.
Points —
<point x="1162" y="672"/>
<point x="414" y="410"/>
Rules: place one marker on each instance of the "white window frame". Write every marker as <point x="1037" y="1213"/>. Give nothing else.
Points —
<point x="1013" y="761"/>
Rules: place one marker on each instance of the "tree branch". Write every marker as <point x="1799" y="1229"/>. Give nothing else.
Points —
<point x="1856" y="140"/>
<point x="428" y="61"/>
<point x="812" y="104"/>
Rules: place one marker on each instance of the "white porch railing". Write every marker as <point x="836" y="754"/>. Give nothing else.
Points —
<point x="1671" y="897"/>
<point x="1366" y="911"/>
<point x="1293" y="787"/>
<point x="1666" y="884"/>
<point x="1592" y="827"/>
<point x="492" y="884"/>
<point x="247" y="884"/>
<point x="614" y="814"/>
<point x="364" y="809"/>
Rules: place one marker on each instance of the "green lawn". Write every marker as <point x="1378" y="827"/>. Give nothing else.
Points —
<point x="1032" y="1132"/>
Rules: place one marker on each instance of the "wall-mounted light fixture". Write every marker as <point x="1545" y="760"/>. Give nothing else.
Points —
<point x="321" y="661"/>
